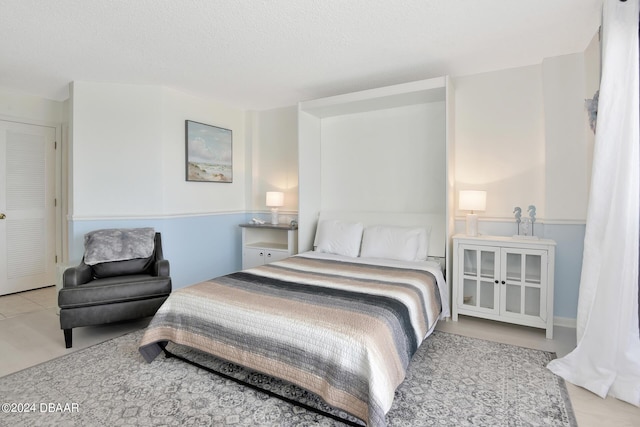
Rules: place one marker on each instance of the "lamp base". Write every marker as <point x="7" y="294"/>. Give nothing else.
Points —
<point x="274" y="216"/>
<point x="472" y="225"/>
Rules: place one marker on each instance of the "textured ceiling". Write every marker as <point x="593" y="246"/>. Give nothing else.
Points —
<point x="259" y="54"/>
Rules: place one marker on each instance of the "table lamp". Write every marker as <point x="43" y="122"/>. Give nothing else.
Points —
<point x="471" y="200"/>
<point x="275" y="199"/>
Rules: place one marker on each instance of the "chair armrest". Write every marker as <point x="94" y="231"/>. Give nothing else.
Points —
<point x="161" y="267"/>
<point x="75" y="276"/>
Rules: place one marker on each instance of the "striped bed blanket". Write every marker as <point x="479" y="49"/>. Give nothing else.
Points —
<point x="340" y="328"/>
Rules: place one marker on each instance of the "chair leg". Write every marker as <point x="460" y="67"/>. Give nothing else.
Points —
<point x="67" y="338"/>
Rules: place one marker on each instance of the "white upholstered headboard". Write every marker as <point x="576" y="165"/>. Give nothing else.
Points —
<point x="437" y="223"/>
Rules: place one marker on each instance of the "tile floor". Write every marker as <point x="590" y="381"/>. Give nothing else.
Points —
<point x="28" y="302"/>
<point x="30" y="334"/>
<point x="30" y="330"/>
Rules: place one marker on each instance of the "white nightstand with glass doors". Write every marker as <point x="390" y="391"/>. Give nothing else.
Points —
<point x="507" y="279"/>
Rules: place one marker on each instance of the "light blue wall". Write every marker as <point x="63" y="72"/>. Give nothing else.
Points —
<point x="202" y="247"/>
<point x="197" y="247"/>
<point x="570" y="244"/>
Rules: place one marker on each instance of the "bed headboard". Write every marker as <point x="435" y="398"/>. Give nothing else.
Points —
<point x="437" y="222"/>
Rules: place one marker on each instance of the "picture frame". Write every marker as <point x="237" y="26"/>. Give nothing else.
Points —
<point x="208" y="153"/>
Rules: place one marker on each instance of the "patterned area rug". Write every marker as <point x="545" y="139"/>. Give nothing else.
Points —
<point x="452" y="381"/>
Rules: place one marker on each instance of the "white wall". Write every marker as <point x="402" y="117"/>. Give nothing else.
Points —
<point x="522" y="135"/>
<point x="274" y="152"/>
<point x="116" y="150"/>
<point x="21" y="106"/>
<point x="391" y="159"/>
<point x="180" y="196"/>
<point x="129" y="153"/>
<point x="567" y="156"/>
<point x="499" y="139"/>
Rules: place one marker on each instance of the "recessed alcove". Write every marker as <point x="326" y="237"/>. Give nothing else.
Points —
<point x="383" y="150"/>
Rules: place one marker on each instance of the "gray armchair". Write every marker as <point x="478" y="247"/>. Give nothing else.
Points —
<point x="113" y="291"/>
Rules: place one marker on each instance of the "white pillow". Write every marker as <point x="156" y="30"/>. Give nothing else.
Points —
<point x="401" y="243"/>
<point x="423" y="244"/>
<point x="338" y="237"/>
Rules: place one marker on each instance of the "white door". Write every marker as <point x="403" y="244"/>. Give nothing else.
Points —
<point x="27" y="206"/>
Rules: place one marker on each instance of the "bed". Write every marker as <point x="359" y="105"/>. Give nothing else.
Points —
<point x="339" y="324"/>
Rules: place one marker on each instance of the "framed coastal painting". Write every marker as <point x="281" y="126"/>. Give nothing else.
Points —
<point x="209" y="153"/>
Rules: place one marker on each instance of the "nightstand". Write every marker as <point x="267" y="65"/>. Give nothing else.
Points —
<point x="265" y="243"/>
<point x="505" y="279"/>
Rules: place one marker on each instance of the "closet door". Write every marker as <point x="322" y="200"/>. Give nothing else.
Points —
<point x="27" y="207"/>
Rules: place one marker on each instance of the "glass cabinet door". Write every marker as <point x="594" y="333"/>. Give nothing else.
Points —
<point x="479" y="275"/>
<point x="523" y="272"/>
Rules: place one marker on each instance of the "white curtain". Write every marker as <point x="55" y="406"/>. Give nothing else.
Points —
<point x="607" y="357"/>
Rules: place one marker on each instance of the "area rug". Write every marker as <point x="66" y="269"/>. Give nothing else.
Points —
<point x="452" y="381"/>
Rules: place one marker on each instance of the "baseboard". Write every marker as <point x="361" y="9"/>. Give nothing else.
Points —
<point x="566" y="322"/>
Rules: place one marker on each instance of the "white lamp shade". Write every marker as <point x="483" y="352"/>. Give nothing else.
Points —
<point x="275" y="199"/>
<point x="472" y="200"/>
